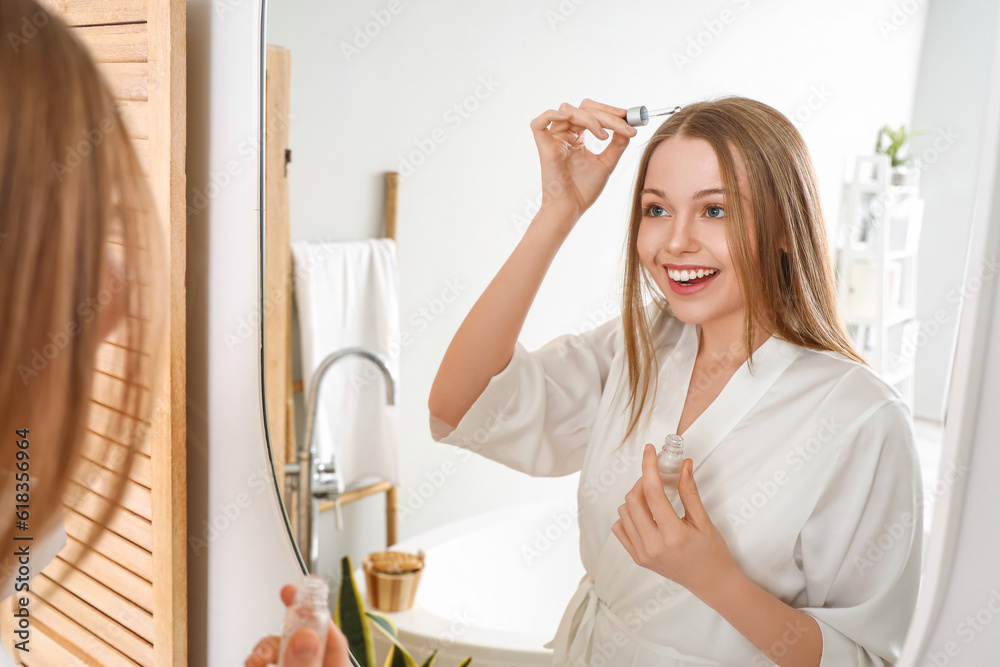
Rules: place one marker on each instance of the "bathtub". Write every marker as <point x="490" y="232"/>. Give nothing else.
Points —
<point x="494" y="587"/>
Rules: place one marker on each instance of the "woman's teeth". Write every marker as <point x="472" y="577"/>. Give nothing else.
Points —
<point x="686" y="275"/>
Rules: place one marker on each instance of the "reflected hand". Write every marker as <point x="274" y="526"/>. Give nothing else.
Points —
<point x="573" y="176"/>
<point x="688" y="550"/>
<point x="303" y="646"/>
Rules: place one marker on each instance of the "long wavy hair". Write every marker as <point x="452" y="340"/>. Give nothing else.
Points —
<point x="74" y="204"/>
<point x="787" y="282"/>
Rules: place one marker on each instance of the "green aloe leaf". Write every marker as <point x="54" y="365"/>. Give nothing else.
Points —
<point x="384" y="621"/>
<point x="350" y="616"/>
<point x="465" y="663"/>
<point x="398" y="656"/>
<point x="430" y="661"/>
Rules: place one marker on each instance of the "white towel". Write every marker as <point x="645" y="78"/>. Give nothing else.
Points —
<point x="347" y="295"/>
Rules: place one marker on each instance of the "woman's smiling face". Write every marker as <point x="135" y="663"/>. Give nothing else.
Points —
<point x="683" y="228"/>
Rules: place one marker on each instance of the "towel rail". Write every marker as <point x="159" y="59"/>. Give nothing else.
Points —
<point x="299" y="491"/>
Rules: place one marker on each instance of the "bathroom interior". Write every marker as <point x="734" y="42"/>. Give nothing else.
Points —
<point x="310" y="125"/>
<point x="447" y="111"/>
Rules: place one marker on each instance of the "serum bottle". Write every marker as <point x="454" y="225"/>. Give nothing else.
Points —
<point x="670" y="461"/>
<point x="309" y="610"/>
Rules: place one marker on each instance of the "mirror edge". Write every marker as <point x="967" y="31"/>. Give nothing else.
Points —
<point x="965" y="378"/>
<point x="261" y="277"/>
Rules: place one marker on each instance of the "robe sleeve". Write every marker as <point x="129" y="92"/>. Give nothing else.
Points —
<point x="536" y="415"/>
<point x="861" y="547"/>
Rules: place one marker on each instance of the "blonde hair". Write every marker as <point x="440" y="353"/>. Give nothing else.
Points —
<point x="71" y="193"/>
<point x="791" y="294"/>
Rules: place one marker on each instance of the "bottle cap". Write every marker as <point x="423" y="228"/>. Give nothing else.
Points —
<point x="637" y="116"/>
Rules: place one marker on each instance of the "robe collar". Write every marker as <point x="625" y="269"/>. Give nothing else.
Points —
<point x="743" y="390"/>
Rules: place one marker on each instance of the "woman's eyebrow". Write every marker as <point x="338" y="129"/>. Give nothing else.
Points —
<point x="700" y="194"/>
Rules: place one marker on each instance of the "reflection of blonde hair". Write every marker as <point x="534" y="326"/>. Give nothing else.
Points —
<point x="72" y="193"/>
<point x="791" y="294"/>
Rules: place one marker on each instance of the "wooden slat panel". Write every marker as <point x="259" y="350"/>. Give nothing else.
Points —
<point x="105" y="628"/>
<point x="107" y="390"/>
<point x="142" y="152"/>
<point x="136" y="118"/>
<point x="116" y="43"/>
<point x="128" y="81"/>
<point x="134" y="498"/>
<point x="133" y="528"/>
<point x="45" y="652"/>
<point x="97" y="448"/>
<point x="121" y="551"/>
<point x="109" y="602"/>
<point x="112" y="575"/>
<point x="97" y="12"/>
<point x="145" y="66"/>
<point x="113" y="356"/>
<point x="104" y="420"/>
<point x="53" y="619"/>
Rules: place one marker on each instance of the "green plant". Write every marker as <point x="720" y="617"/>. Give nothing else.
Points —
<point x="896" y="140"/>
<point x="356" y="622"/>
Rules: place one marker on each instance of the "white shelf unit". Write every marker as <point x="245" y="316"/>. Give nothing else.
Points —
<point x="876" y="262"/>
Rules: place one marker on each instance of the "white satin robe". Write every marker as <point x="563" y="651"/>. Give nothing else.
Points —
<point x="807" y="467"/>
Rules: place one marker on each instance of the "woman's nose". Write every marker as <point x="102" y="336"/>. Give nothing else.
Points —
<point x="680" y="236"/>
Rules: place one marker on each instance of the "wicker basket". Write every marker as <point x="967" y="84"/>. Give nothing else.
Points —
<point x="392" y="578"/>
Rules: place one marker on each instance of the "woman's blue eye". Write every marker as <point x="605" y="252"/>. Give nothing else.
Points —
<point x="655" y="210"/>
<point x="715" y="212"/>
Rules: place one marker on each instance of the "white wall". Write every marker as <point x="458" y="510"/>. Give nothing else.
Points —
<point x="950" y="105"/>
<point x="462" y="210"/>
<point x="238" y="555"/>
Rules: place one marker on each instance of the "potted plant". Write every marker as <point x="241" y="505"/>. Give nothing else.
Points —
<point x="356" y="622"/>
<point x="903" y="173"/>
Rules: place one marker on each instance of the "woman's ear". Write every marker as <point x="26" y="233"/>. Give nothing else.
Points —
<point x="113" y="288"/>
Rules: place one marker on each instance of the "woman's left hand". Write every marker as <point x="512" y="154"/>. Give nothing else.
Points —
<point x="303" y="645"/>
<point x="688" y="550"/>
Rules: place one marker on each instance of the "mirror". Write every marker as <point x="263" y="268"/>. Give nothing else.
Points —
<point x="442" y="93"/>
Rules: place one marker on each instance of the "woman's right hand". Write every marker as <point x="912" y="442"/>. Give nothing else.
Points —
<point x="573" y="176"/>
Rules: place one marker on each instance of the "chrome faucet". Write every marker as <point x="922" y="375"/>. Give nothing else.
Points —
<point x="322" y="480"/>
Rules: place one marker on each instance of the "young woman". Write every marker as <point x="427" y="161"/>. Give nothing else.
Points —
<point x="80" y="257"/>
<point x="801" y="542"/>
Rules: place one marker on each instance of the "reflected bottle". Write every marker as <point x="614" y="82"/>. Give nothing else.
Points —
<point x="310" y="609"/>
<point x="670" y="461"/>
